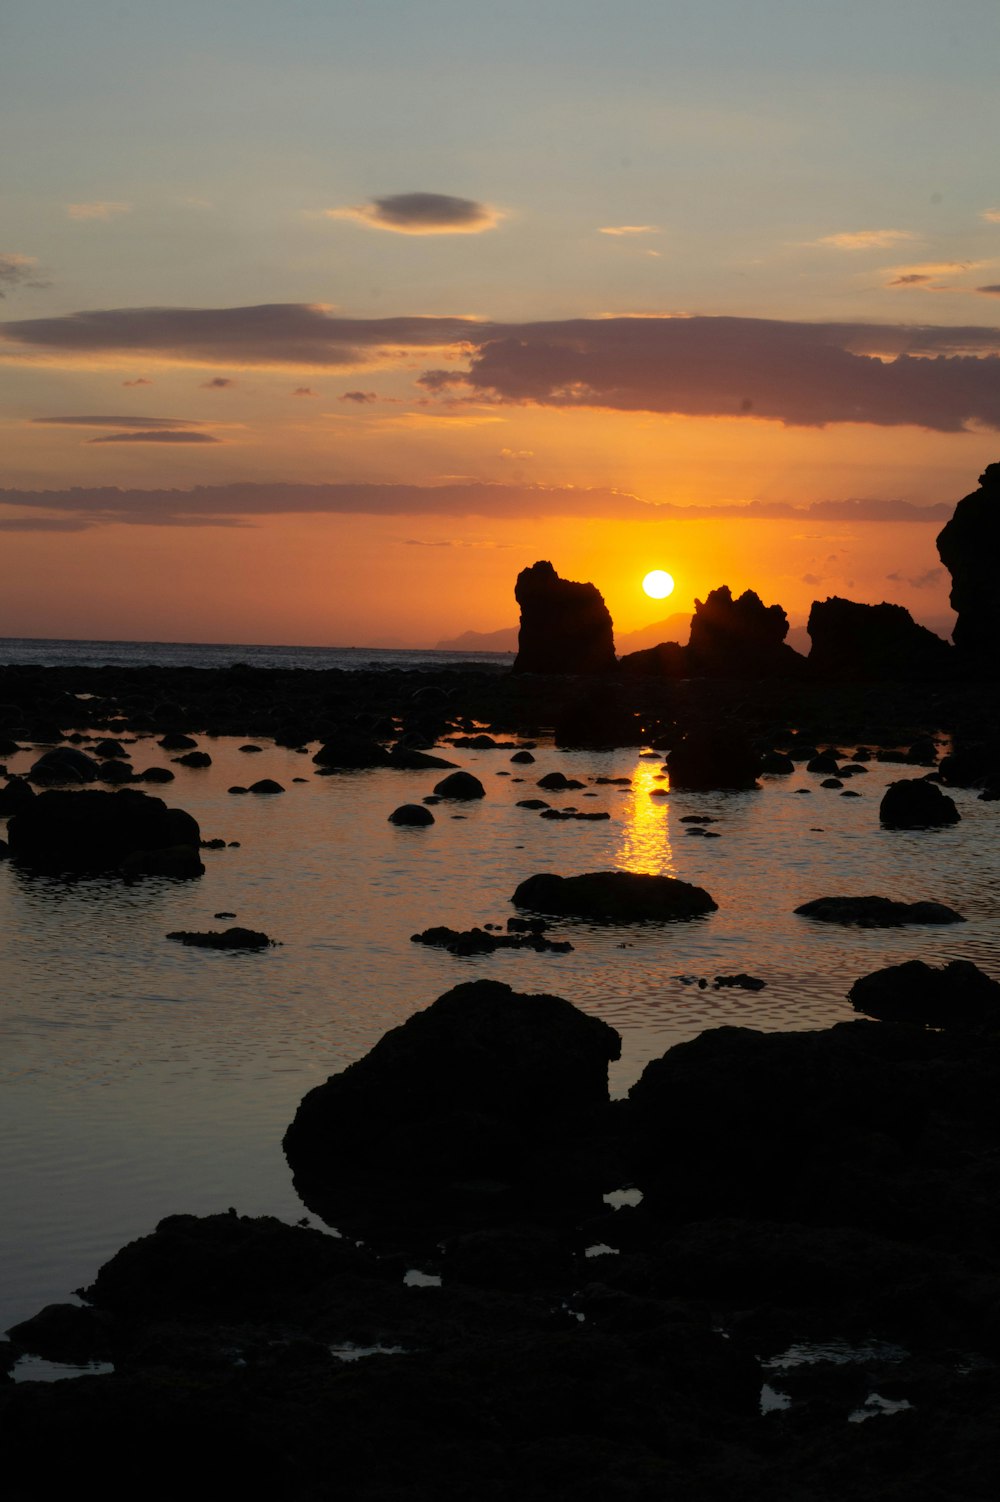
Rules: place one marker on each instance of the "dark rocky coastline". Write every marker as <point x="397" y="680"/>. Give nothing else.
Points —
<point x="824" y="1187"/>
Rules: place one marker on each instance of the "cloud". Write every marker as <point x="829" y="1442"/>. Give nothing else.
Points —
<point x="517" y="453"/>
<point x="993" y="291"/>
<point x="116" y="422"/>
<point x="209" y="505"/>
<point x="303" y="391"/>
<point x="19" y="271"/>
<point x="140" y="381"/>
<point x="361" y="397"/>
<point x="274" y="335"/>
<point x="940" y="377"/>
<point x="157" y="435"/>
<point x="992" y="216"/>
<point x="911" y="279"/>
<point x="928" y="580"/>
<point x="103" y="209"/>
<point x="43" y="524"/>
<point x="218" y="383"/>
<point x="422" y="214"/>
<point x="865" y="239"/>
<point x="812" y="579"/>
<point x="629" y="229"/>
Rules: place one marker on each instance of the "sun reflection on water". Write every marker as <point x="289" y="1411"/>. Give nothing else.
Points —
<point x="645" y="844"/>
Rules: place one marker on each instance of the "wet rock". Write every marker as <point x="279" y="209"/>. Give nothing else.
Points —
<point x="237" y="790"/>
<point x="350" y="753"/>
<point x="115" y="772"/>
<point x="194" y="759"/>
<point x="823" y="761"/>
<point x="776" y="764"/>
<point x="478" y="941"/>
<point x="876" y="912"/>
<point x="859" y="643"/>
<point x="522" y="757"/>
<point x="97" y="831"/>
<point x="565" y="627"/>
<point x="155" y="774"/>
<point x="533" y="803"/>
<point x="741" y="981"/>
<point x="230" y="938"/>
<point x="968" y="546"/>
<point x="250" y="749"/>
<point x="460" y="785"/>
<point x="741" y="638"/>
<point x="706" y="759"/>
<point x="614" y="897"/>
<point x="179" y="861"/>
<point x="266" y="787"/>
<point x="175" y="740"/>
<point x="956" y="995"/>
<point x="411" y="814"/>
<point x="558" y="782"/>
<point x="916" y="804"/>
<point x="406" y="759"/>
<point x="64" y="764"/>
<point x="485" y="1085"/>
<point x="109" y="748"/>
<point x="598" y="722"/>
<point x="14" y="795"/>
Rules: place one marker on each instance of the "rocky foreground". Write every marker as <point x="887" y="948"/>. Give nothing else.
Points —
<point x="811" y="1217"/>
<point x="537" y="1292"/>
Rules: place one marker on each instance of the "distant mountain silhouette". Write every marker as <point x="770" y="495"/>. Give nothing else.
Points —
<point x="676" y="627"/>
<point x="504" y="640"/>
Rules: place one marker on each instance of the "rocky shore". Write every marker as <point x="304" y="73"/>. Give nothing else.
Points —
<point x="772" y="1271"/>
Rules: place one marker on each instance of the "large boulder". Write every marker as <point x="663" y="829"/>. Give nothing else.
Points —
<point x="614" y="897"/>
<point x="968" y="546"/>
<point x="914" y="803"/>
<point x="64" y="764"/>
<point x="482" y="1086"/>
<point x="97" y="831"/>
<point x="741" y="638"/>
<point x="956" y="995"/>
<point x="857" y="643"/>
<point x="714" y="757"/>
<point x="351" y="753"/>
<point x="876" y="912"/>
<point x="565" y="626"/>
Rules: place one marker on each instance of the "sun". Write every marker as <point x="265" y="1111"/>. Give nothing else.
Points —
<point x="658" y="584"/>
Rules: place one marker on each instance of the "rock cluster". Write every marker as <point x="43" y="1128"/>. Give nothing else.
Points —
<point x="565" y="627"/>
<point x="969" y="546"/>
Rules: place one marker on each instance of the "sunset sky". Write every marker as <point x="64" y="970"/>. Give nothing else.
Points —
<point x="320" y="321"/>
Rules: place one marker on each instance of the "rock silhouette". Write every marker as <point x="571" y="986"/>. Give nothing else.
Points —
<point x="916" y="804"/>
<point x="968" y="547"/>
<point x="864" y="643"/>
<point x="957" y="995"/>
<point x="91" y="832"/>
<point x="565" y="626"/>
<point x="741" y="638"/>
<point x="613" y="896"/>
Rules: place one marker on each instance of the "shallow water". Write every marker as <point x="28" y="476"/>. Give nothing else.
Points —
<point x="142" y="1078"/>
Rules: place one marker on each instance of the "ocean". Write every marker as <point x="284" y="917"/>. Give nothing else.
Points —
<point x="141" y="1078"/>
<point x="55" y="652"/>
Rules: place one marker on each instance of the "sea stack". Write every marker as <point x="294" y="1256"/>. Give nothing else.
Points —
<point x="968" y="548"/>
<point x="565" y="627"/>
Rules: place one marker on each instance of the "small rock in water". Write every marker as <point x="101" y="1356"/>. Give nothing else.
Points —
<point x="231" y="938"/>
<point x="877" y="912"/>
<point x="265" y="786"/>
<point x="411" y="814"/>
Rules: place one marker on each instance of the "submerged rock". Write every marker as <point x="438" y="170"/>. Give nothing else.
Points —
<point x="614" y="897"/>
<point x="97" y="831"/>
<point x="956" y="995"/>
<point x="230" y="938"/>
<point x="565" y="627"/>
<point x="478" y="941"/>
<point x="916" y="804"/>
<point x="877" y="912"/>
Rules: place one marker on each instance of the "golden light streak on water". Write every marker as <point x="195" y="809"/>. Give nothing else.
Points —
<point x="645" y="844"/>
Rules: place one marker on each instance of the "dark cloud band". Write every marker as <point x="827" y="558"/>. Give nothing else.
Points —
<point x="809" y="374"/>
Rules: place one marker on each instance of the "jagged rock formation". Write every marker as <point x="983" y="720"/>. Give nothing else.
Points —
<point x="741" y="638"/>
<point x="865" y="643"/>
<point x="968" y="548"/>
<point x="565" y="627"/>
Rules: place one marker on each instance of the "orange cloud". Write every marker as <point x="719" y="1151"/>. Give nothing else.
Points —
<point x="103" y="209"/>
<point x="629" y="229"/>
<point x="865" y="239"/>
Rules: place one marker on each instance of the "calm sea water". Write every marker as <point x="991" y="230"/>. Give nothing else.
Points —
<point x="142" y="1078"/>
<point x="53" y="652"/>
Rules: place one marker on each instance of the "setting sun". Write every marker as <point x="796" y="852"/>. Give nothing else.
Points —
<point x="658" y="584"/>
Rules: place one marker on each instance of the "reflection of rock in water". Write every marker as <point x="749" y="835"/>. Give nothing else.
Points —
<point x="969" y="546"/>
